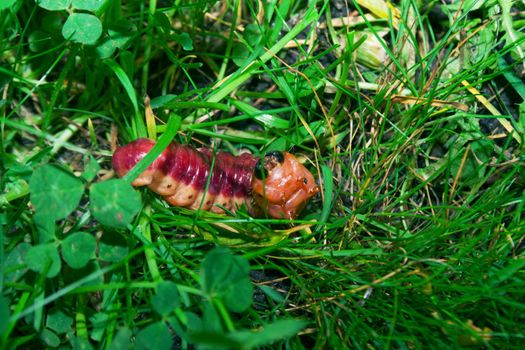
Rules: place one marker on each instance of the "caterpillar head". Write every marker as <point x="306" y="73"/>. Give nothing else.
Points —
<point x="281" y="185"/>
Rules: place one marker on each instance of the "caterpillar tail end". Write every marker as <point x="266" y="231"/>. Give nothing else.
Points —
<point x="126" y="157"/>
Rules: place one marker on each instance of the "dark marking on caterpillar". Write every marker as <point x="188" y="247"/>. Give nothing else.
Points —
<point x="277" y="185"/>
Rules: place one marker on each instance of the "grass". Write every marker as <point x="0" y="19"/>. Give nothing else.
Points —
<point x="411" y="115"/>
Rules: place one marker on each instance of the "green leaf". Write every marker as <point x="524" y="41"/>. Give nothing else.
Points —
<point x="211" y="320"/>
<point x="248" y="339"/>
<point x="239" y="295"/>
<point x="114" y="203"/>
<point x="4" y="314"/>
<point x="54" y="5"/>
<point x="214" y="340"/>
<point x="14" y="265"/>
<point x="301" y="135"/>
<point x="99" y="323"/>
<point x="82" y="28"/>
<point x="91" y="169"/>
<point x="52" y="23"/>
<point x="15" y="189"/>
<point x="166" y="299"/>
<point x="184" y="40"/>
<point x="473" y="167"/>
<point x="517" y="83"/>
<point x="106" y="48"/>
<point x="122" y="340"/>
<point x="79" y="343"/>
<point x="5" y="4"/>
<point x="269" y="334"/>
<point x="78" y="248"/>
<point x="112" y="247"/>
<point x="118" y="36"/>
<point x="49" y="338"/>
<point x="89" y="5"/>
<point x="227" y="276"/>
<point x="91" y="272"/>
<point x="241" y="52"/>
<point x="194" y="322"/>
<point x="240" y="55"/>
<point x="154" y="337"/>
<point x="58" y="321"/>
<point x="272" y="293"/>
<point x="252" y="34"/>
<point x="45" y="226"/>
<point x="293" y="84"/>
<point x="42" y="258"/>
<point x="38" y="41"/>
<point x="162" y="22"/>
<point x="55" y="192"/>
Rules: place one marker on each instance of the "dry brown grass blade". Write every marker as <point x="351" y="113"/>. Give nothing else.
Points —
<point x="151" y="125"/>
<point x="382" y="9"/>
<point x="504" y="122"/>
<point x="411" y="100"/>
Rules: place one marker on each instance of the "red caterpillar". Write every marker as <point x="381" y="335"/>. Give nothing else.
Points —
<point x="278" y="185"/>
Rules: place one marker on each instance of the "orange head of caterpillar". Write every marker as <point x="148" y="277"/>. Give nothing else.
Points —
<point x="281" y="185"/>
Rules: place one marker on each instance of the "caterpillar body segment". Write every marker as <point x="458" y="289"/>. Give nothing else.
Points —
<point x="278" y="185"/>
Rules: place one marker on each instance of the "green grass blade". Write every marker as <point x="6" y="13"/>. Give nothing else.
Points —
<point x="233" y="81"/>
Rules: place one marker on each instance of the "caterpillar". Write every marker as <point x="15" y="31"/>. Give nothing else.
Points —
<point x="277" y="185"/>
